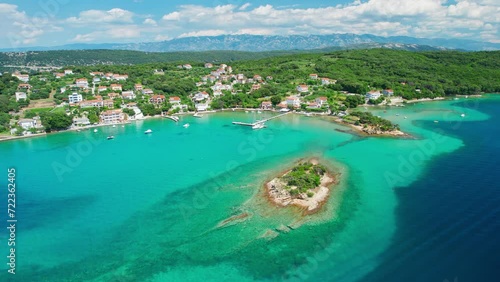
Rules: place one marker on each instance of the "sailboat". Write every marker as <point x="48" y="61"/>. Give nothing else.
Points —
<point x="148" y="131"/>
<point x="186" y="125"/>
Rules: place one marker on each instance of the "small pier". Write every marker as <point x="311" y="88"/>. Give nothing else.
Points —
<point x="259" y="121"/>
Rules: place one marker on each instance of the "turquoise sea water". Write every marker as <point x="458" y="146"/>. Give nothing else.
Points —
<point x="147" y="207"/>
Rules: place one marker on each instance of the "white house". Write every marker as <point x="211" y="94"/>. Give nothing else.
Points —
<point x="200" y="96"/>
<point x="81" y="121"/>
<point x="116" y="87"/>
<point x="321" y="101"/>
<point x="209" y="65"/>
<point x="201" y="107"/>
<point x="68" y="72"/>
<point x="373" y="95"/>
<point x="388" y="92"/>
<point x="187" y="66"/>
<point x="21" y="77"/>
<point x="120" y="76"/>
<point x="174" y="100"/>
<point x="313" y="76"/>
<point x="82" y="83"/>
<point x="266" y="105"/>
<point x="21" y="95"/>
<point x="293" y="101"/>
<point x="218" y="93"/>
<point x="112" y="116"/>
<point x="325" y="81"/>
<point x="102" y="88"/>
<point x="26" y="123"/>
<point x="128" y="95"/>
<point x="91" y="103"/>
<point x="303" y="88"/>
<point x="75" y="98"/>
<point x="147" y="91"/>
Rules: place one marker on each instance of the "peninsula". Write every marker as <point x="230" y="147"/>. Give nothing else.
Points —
<point x="306" y="186"/>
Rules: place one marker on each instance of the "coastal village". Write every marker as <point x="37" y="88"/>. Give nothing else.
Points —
<point x="107" y="98"/>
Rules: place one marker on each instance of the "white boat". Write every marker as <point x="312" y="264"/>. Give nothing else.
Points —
<point x="114" y="125"/>
<point x="246" y="112"/>
<point x="186" y="125"/>
<point x="462" y="115"/>
<point x="95" y="130"/>
<point x="259" y="112"/>
<point x="308" y="115"/>
<point x="406" y="117"/>
<point x="259" y="125"/>
<point x="436" y="121"/>
<point x="148" y="131"/>
<point x="111" y="137"/>
<point x="197" y="115"/>
<point x="123" y="125"/>
<point x="174" y="118"/>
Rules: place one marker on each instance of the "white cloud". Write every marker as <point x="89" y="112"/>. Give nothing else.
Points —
<point x="244" y="6"/>
<point x="209" y="32"/>
<point x="161" y="37"/>
<point x="116" y="32"/>
<point x="174" y="16"/>
<point x="422" y="18"/>
<point x="114" y="15"/>
<point x="149" y="21"/>
<point x="20" y="29"/>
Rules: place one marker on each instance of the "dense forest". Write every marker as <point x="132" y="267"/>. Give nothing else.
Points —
<point x="410" y="74"/>
<point x="124" y="57"/>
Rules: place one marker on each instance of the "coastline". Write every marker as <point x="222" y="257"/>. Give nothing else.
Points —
<point x="355" y="129"/>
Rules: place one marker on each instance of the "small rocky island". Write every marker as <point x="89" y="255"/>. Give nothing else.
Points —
<point x="367" y="123"/>
<point x="306" y="186"/>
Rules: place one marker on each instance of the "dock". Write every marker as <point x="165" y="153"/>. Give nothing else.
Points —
<point x="259" y="121"/>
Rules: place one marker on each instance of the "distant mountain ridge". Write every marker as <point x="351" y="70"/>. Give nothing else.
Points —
<point x="259" y="43"/>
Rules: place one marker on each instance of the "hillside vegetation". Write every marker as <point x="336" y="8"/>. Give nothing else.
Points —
<point x="123" y="57"/>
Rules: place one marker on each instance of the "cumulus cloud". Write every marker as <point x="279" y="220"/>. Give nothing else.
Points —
<point x="421" y="18"/>
<point x="472" y="19"/>
<point x="115" y="15"/>
<point x="20" y="29"/>
<point x="244" y="6"/>
<point x="149" y="21"/>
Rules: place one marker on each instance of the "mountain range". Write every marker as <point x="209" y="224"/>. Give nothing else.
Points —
<point x="256" y="43"/>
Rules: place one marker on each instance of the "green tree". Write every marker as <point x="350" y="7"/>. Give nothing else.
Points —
<point x="275" y="100"/>
<point x="56" y="121"/>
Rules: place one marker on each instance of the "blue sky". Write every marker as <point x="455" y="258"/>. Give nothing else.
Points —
<point x="58" y="22"/>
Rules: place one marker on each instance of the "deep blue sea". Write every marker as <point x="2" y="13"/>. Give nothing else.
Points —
<point x="448" y="222"/>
